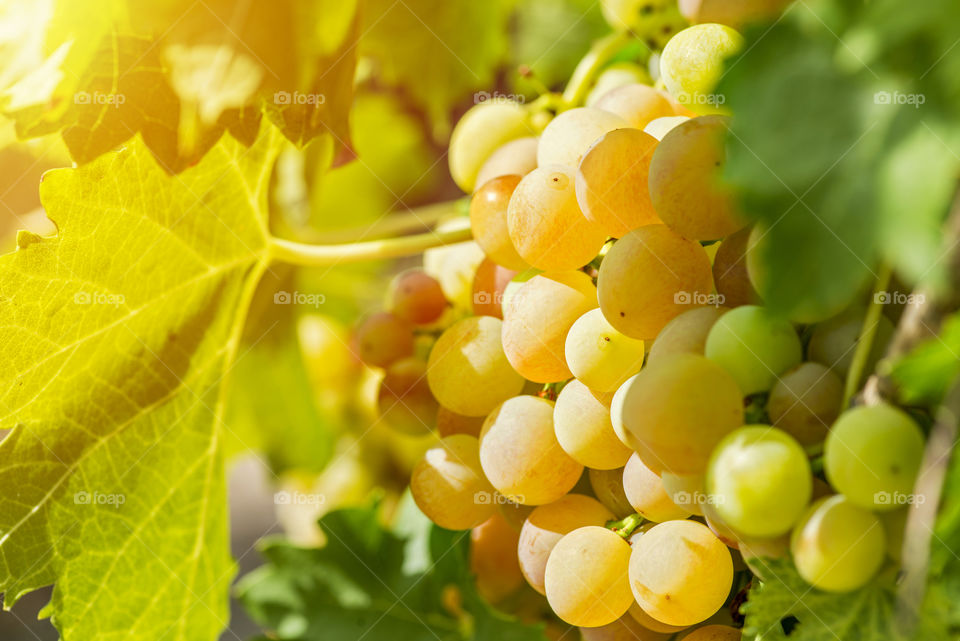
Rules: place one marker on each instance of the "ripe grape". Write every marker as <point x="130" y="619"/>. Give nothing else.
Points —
<point x="687" y="333"/>
<point x="493" y="558"/>
<point x="417" y="297"/>
<point x="680" y="573"/>
<point x="760" y="480"/>
<point x="404" y="399"/>
<point x="660" y="127"/>
<point x="646" y="494"/>
<point x="382" y="339"/>
<point x="447" y="484"/>
<point x="488" y="220"/>
<point x="537" y="318"/>
<point x="834" y="341"/>
<point x="805" y="402"/>
<point x="686" y="490"/>
<point x="676" y="410"/>
<point x="449" y="423"/>
<point x="730" y="271"/>
<point x="685" y="181"/>
<point x="489" y="286"/>
<point x="755" y="346"/>
<point x="837" y="546"/>
<point x="872" y="455"/>
<point x="598" y="355"/>
<point x="517" y="157"/>
<point x="468" y="372"/>
<point x="636" y="103"/>
<point x="692" y="62"/>
<point x="611" y="182"/>
<point x="547" y="524"/>
<point x="607" y="486"/>
<point x="567" y="137"/>
<point x="586" y="577"/>
<point x="626" y="628"/>
<point x="480" y="132"/>
<point x="545" y="222"/>
<point x="520" y="453"/>
<point x="648" y="277"/>
<point x="616" y="75"/>
<point x="581" y="419"/>
<point x="714" y="633"/>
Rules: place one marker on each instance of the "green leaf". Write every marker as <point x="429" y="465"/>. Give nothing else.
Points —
<point x="924" y="374"/>
<point x="119" y="333"/>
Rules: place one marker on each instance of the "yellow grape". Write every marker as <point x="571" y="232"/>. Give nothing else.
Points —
<point x="567" y="137"/>
<point x="586" y="577"/>
<point x="611" y="182"/>
<point x="581" y="419"/>
<point x="449" y="423"/>
<point x="680" y="573"/>
<point x="493" y="558"/>
<point x="547" y="524"/>
<point x="537" y="318"/>
<point x="644" y="490"/>
<point x="404" y="398"/>
<point x="468" y="372"/>
<point x="599" y="356"/>
<point x="648" y="277"/>
<point x="520" y="453"/>
<point x="626" y="628"/>
<point x="483" y="129"/>
<point x="692" y="62"/>
<point x="607" y="486"/>
<point x="805" y="402"/>
<point x="714" y="633"/>
<point x="546" y="225"/>
<point x="447" y="484"/>
<point x="636" y="103"/>
<point x="730" y="271"/>
<point x="660" y="127"/>
<point x="687" y="333"/>
<point x="686" y="181"/>
<point x="488" y="221"/>
<point x="517" y="157"/>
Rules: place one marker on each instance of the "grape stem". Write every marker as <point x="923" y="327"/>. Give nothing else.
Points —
<point x="868" y="332"/>
<point x="625" y="526"/>
<point x="590" y="65"/>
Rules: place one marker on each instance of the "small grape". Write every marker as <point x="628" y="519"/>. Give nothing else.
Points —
<point x="581" y="419"/>
<point x="730" y="271"/>
<point x="417" y="297"/>
<point x="636" y="103"/>
<point x="382" y="339"/>
<point x="805" y="402"/>
<point x="449" y="423"/>
<point x="447" y="481"/>
<point x="567" y="137"/>
<point x="488" y="220"/>
<point x="404" y="399"/>
<point x="489" y="286"/>
<point x="598" y="355"/>
<point x="607" y="486"/>
<point x="644" y="490"/>
<point x="834" y="341"/>
<point x="493" y="558"/>
<point x="479" y="133"/>
<point x="517" y="157"/>
<point x="687" y="333"/>
<point x="692" y="63"/>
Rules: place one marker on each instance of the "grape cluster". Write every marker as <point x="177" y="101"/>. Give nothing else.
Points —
<point x="623" y="424"/>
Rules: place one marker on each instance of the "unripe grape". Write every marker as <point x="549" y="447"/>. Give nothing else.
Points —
<point x="692" y="62"/>
<point x="468" y="372"/>
<point x="582" y="422"/>
<point x="488" y="221"/>
<point x="517" y="157"/>
<point x="687" y="333"/>
<point x="607" y="486"/>
<point x="644" y="490"/>
<point x="568" y="136"/>
<point x="447" y="484"/>
<point x="730" y="271"/>
<point x="382" y="339"/>
<point x="489" y="286"/>
<point x="805" y="402"/>
<point x="636" y="103"/>
<point x="404" y="399"/>
<point x="483" y="129"/>
<point x="598" y="355"/>
<point x="417" y="297"/>
<point x="835" y="340"/>
<point x="493" y="558"/>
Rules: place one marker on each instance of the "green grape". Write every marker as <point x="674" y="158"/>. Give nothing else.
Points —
<point x="733" y="14"/>
<point x="760" y="480"/>
<point x="680" y="573"/>
<point x="650" y="276"/>
<point x="586" y="577"/>
<point x="611" y="182"/>
<point x="488" y="221"/>
<point x="652" y="21"/>
<point x="686" y="490"/>
<point x="687" y="333"/>
<point x="805" y="402"/>
<point x="521" y="456"/>
<point x="547" y="524"/>
<point x="837" y="546"/>
<point x="644" y="489"/>
<point x="895" y="526"/>
<point x="730" y="271"/>
<point x="607" y="486"/>
<point x="581" y="419"/>
<point x="493" y="558"/>
<point x="685" y="181"/>
<point x="567" y="137"/>
<point x="676" y="410"/>
<point x="626" y="628"/>
<point x="454" y="267"/>
<point x="448" y="485"/>
<point x="757" y="553"/>
<point x="483" y="129"/>
<point x="873" y="455"/>
<point x="545" y="222"/>
<point x="598" y="355"/>
<point x="834" y="341"/>
<point x="637" y="104"/>
<point x="514" y="158"/>
<point x="714" y="633"/>
<point x="468" y="372"/>
<point x="450" y="423"/>
<point x="660" y="127"/>
<point x="382" y="339"/>
<point x="404" y="398"/>
<point x="692" y="63"/>
<point x="537" y="319"/>
<point x="417" y="297"/>
<point x="755" y="346"/>
<point x="489" y="286"/>
<point x="618" y="74"/>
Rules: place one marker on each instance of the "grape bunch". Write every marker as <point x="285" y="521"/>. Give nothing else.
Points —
<point x="620" y="421"/>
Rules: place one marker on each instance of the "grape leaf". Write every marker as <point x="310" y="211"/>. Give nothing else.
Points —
<point x="118" y="334"/>
<point x="368" y="582"/>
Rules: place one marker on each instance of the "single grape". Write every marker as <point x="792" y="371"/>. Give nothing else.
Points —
<point x="404" y="398"/>
<point x="837" y="546"/>
<point x="680" y="573"/>
<point x="872" y="455"/>
<point x="480" y="132"/>
<point x="520" y="453"/>
<point x="805" y="402"/>
<point x="598" y="355"/>
<point x="660" y="127"/>
<point x="488" y="220"/>
<point x="686" y="490"/>
<point x="586" y="577"/>
<point x="730" y="271"/>
<point x="616" y="75"/>
<point x="448" y="485"/>
<point x="489" y="286"/>
<point x="468" y="372"/>
<point x="517" y="157"/>
<point x="636" y="103"/>
<point x="536" y="321"/>
<point x="755" y="346"/>
<point x="687" y="333"/>
<point x="547" y="524"/>
<point x="567" y="137"/>
<point x="382" y="339"/>
<point x="760" y="480"/>
<point x="714" y="633"/>
<point x="611" y="182"/>
<point x="834" y="341"/>
<point x="650" y="276"/>
<point x="644" y="490"/>
<point x="626" y="628"/>
<point x="449" y="423"/>
<point x="676" y="410"/>
<point x="692" y="62"/>
<point x="581" y="419"/>
<point x="417" y="297"/>
<point x="493" y="558"/>
<point x="607" y="486"/>
<point x="545" y="222"/>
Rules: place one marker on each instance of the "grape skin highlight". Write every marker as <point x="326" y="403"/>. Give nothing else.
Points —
<point x="446" y="482"/>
